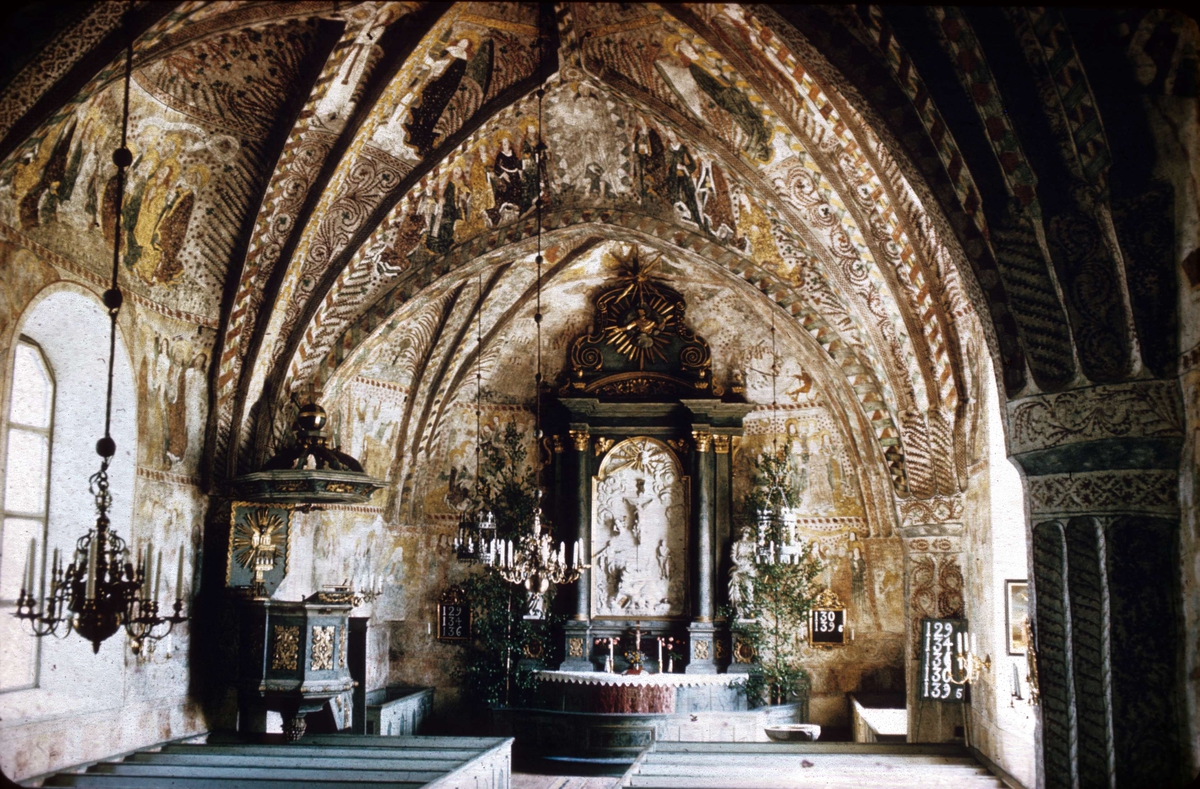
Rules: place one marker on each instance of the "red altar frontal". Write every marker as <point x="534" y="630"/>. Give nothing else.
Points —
<point x="599" y="692"/>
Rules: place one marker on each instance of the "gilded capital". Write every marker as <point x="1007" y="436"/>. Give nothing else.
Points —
<point x="580" y="439"/>
<point x="703" y="440"/>
<point x="721" y="444"/>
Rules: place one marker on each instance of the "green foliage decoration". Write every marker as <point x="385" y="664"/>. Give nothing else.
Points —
<point x="776" y="597"/>
<point x="492" y="670"/>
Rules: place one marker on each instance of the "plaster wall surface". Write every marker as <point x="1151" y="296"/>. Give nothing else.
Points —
<point x="1001" y="726"/>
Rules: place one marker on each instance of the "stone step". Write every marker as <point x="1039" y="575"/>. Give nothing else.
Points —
<point x="796" y="758"/>
<point x="805" y="782"/>
<point x="309" y="774"/>
<point x="102" y="781"/>
<point x="383" y="761"/>
<point x="474" y="744"/>
<point x="898" y="749"/>
<point x="844" y="769"/>
<point x="460" y="754"/>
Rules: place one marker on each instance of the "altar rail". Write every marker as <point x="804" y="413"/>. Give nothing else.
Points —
<point x="335" y="761"/>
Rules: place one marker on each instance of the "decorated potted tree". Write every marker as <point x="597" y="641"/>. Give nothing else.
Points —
<point x="771" y="590"/>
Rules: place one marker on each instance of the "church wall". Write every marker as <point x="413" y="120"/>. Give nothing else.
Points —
<point x="1175" y="121"/>
<point x="88" y="706"/>
<point x="1001" y="726"/>
<point x="864" y="569"/>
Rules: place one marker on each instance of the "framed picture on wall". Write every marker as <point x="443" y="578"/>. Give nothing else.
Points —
<point x="1016" y="608"/>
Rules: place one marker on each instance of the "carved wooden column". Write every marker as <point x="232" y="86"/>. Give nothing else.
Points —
<point x="577" y="629"/>
<point x="1101" y="469"/>
<point x="702" y="649"/>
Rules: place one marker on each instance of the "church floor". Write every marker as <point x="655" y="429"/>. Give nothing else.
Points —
<point x="533" y="781"/>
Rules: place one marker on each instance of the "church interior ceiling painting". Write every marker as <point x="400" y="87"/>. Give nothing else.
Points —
<point x="972" y="229"/>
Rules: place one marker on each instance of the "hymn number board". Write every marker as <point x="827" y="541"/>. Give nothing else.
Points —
<point x="941" y="649"/>
<point x="827" y="626"/>
<point x="454" y="617"/>
<point x="827" y="620"/>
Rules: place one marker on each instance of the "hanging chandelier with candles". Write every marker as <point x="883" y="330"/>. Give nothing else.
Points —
<point x="476" y="538"/>
<point x="532" y="559"/>
<point x="101" y="590"/>
<point x="776" y="518"/>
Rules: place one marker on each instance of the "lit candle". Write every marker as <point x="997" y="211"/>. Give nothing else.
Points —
<point x="91" y="570"/>
<point x="611" y="642"/>
<point x="29" y="566"/>
<point x="158" y="574"/>
<point x="179" y="576"/>
<point x="660" y="663"/>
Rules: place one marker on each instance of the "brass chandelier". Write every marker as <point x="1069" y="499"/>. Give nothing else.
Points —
<point x="476" y="538"/>
<point x="775" y="519"/>
<point x="101" y="590"/>
<point x="533" y="560"/>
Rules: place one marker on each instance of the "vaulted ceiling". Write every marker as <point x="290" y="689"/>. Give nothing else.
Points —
<point x="313" y="180"/>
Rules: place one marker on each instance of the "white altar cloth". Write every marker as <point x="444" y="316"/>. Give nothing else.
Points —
<point x="655" y="680"/>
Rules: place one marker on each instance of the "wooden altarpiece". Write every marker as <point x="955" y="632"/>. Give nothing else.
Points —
<point x="642" y="474"/>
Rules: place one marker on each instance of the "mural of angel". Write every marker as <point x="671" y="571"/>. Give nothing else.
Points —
<point x="334" y="107"/>
<point x="701" y="92"/>
<point x="38" y="182"/>
<point x="458" y="83"/>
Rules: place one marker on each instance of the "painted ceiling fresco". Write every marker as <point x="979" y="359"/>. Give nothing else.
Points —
<point x="333" y="186"/>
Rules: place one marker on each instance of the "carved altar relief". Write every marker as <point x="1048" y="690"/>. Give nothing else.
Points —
<point x="639" y="522"/>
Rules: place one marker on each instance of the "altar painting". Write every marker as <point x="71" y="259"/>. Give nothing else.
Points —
<point x="639" y="523"/>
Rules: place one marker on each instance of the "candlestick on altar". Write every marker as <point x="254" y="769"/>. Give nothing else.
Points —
<point x="660" y="663"/>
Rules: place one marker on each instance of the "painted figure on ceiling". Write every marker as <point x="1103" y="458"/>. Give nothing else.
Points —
<point x="40" y="203"/>
<point x="456" y="88"/>
<point x="171" y="229"/>
<point x="648" y="159"/>
<point x="701" y="92"/>
<point x="339" y="99"/>
<point x="680" y="188"/>
<point x="482" y="196"/>
<point x="507" y="181"/>
<point x="529" y="174"/>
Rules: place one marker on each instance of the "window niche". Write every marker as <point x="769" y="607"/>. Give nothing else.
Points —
<point x="52" y="416"/>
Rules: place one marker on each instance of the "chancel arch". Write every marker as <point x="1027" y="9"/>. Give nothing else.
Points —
<point x="904" y="248"/>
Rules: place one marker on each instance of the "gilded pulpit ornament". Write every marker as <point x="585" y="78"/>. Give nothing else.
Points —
<point x="257" y="543"/>
<point x="322" y="648"/>
<point x="286" y="649"/>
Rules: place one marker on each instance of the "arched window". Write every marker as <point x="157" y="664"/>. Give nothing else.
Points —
<point x="30" y="435"/>
<point x="52" y="394"/>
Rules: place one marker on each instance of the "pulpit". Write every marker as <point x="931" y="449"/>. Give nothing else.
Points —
<point x="293" y="660"/>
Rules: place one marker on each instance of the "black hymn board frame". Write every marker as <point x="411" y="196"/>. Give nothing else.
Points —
<point x="454" y="617"/>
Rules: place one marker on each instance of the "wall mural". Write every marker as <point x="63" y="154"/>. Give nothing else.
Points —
<point x="198" y="117"/>
<point x="639" y="523"/>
